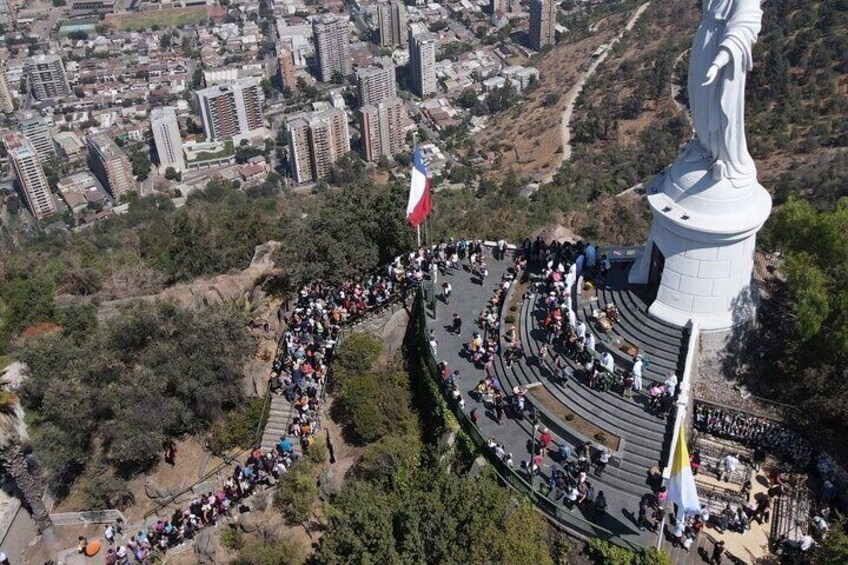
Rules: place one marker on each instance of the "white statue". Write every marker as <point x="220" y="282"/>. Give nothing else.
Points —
<point x="718" y="64"/>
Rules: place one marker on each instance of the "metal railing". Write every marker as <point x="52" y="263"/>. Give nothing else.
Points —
<point x="684" y="393"/>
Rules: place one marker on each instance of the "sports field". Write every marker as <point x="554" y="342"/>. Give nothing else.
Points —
<point x="171" y="17"/>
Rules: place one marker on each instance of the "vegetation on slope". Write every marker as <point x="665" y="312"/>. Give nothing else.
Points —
<point x="109" y="394"/>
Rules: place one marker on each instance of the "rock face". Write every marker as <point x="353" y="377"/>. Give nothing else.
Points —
<point x="222" y="288"/>
<point x="204" y="547"/>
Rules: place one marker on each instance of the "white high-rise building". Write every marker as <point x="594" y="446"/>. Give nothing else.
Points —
<point x="7" y="102"/>
<point x="232" y="110"/>
<point x="422" y="60"/>
<point x="30" y="175"/>
<point x="38" y="130"/>
<point x="377" y="82"/>
<point x="542" y="23"/>
<point x="47" y="78"/>
<point x="166" y="136"/>
<point x="332" y="45"/>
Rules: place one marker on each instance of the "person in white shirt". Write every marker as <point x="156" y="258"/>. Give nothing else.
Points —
<point x="607" y="362"/>
<point x="580" y="329"/>
<point x="590" y="343"/>
<point x="671" y="384"/>
<point x="731" y="463"/>
<point x="637" y="373"/>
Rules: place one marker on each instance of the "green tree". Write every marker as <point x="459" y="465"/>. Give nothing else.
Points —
<point x="140" y="160"/>
<point x="834" y="548"/>
<point x="297" y="492"/>
<point x="173" y="174"/>
<point x="25" y="301"/>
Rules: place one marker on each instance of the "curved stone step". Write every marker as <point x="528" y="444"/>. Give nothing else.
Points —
<point x="582" y="395"/>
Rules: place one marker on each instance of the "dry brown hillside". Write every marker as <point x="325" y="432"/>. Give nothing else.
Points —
<point x="526" y="138"/>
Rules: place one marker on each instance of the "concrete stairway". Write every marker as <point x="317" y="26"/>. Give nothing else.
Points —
<point x="662" y="344"/>
<point x="646" y="436"/>
<point x="279" y="417"/>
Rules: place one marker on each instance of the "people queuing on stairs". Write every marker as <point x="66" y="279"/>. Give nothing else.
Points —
<point x="754" y="431"/>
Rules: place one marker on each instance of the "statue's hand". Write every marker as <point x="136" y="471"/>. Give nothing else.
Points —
<point x="712" y="73"/>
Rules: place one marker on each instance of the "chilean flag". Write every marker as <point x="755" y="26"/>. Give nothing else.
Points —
<point x="419" y="191"/>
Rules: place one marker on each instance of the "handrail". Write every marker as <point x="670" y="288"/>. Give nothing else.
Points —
<point x="681" y="405"/>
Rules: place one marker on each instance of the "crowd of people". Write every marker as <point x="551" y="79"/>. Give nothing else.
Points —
<point x="755" y="432"/>
<point x="259" y="470"/>
<point x="312" y="329"/>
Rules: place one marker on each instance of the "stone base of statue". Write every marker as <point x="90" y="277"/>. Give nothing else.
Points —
<point x="701" y="246"/>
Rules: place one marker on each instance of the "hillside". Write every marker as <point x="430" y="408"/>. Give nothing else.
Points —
<point x="525" y="139"/>
<point x="798" y="99"/>
<point x="629" y="121"/>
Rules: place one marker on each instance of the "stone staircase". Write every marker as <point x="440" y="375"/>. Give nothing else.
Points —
<point x="662" y="344"/>
<point x="279" y="417"/>
<point x="646" y="437"/>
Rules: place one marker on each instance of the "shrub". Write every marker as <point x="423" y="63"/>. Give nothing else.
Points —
<point x="232" y="538"/>
<point x="509" y="319"/>
<point x="297" y="491"/>
<point x="652" y="556"/>
<point x="358" y="352"/>
<point x="318" y="452"/>
<point x="601" y="437"/>
<point x="569" y="417"/>
<point x="603" y="552"/>
<point x="280" y="552"/>
<point x="238" y="428"/>
<point x="101" y="489"/>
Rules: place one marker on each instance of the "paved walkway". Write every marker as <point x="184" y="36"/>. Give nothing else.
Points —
<point x="469" y="298"/>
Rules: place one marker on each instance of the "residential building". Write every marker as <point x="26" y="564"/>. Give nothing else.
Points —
<point x="30" y="175"/>
<point x="7" y="102"/>
<point x="300" y="157"/>
<point x="232" y="110"/>
<point x="79" y="7"/>
<point x="332" y="45"/>
<point x="422" y="60"/>
<point x="47" y="78"/>
<point x="316" y="141"/>
<point x="286" y="62"/>
<point x="7" y="14"/>
<point x="391" y="23"/>
<point x="382" y="127"/>
<point x="79" y="190"/>
<point x="376" y="83"/>
<point x="110" y="165"/>
<point x="38" y="130"/>
<point x="166" y="136"/>
<point x="542" y="23"/>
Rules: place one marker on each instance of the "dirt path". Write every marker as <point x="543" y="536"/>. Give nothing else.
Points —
<point x="565" y="119"/>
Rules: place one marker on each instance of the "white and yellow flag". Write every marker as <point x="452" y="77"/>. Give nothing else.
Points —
<point x="681" y="483"/>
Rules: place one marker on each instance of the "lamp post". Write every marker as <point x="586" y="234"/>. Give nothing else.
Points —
<point x="535" y="422"/>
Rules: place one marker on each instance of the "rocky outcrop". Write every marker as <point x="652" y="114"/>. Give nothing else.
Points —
<point x="231" y="287"/>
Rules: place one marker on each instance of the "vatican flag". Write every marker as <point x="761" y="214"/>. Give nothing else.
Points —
<point x="681" y="483"/>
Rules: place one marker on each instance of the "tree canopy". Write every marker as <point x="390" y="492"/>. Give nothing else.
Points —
<point x="152" y="372"/>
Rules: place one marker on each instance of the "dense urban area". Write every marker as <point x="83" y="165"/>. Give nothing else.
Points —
<point x="227" y="336"/>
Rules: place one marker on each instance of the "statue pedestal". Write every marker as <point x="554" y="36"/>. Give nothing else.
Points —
<point x="702" y="238"/>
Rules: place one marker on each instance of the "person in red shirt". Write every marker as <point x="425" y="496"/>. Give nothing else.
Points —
<point x="545" y="438"/>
